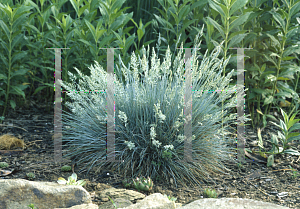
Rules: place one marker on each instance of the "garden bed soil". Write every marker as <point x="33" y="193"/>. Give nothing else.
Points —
<point x="252" y="180"/>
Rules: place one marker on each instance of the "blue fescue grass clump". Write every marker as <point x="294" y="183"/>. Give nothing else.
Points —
<point x="149" y="119"/>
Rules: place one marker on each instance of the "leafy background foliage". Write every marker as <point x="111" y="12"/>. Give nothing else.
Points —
<point x="271" y="28"/>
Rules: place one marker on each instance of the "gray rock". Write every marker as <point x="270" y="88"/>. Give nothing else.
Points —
<point x="19" y="193"/>
<point x="119" y="202"/>
<point x="230" y="203"/>
<point x="153" y="201"/>
<point x="83" y="206"/>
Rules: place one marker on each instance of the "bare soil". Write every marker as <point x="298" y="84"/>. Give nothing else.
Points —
<point x="252" y="180"/>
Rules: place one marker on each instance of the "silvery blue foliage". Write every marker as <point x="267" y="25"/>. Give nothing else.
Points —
<point x="149" y="118"/>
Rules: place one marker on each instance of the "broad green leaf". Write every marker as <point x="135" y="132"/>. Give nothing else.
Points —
<point x="285" y="116"/>
<point x="2" y="76"/>
<point x="276" y="42"/>
<point x="140" y="34"/>
<point x="161" y="12"/>
<point x="18" y="56"/>
<point x="5" y="46"/>
<point x="81" y="10"/>
<point x="293" y="138"/>
<point x="135" y="22"/>
<point x="172" y="4"/>
<point x="263" y="68"/>
<point x="236" y="40"/>
<point x="275" y="125"/>
<point x="238" y="4"/>
<point x="290" y="50"/>
<point x="5" y="28"/>
<point x="116" y="24"/>
<point x="275" y="148"/>
<point x="148" y="42"/>
<point x="283" y="126"/>
<point x="19" y="22"/>
<point x="12" y="104"/>
<point x="49" y="85"/>
<point x="86" y="42"/>
<point x="292" y="32"/>
<point x="184" y="12"/>
<point x="39" y="89"/>
<point x="199" y="4"/>
<point x="270" y="160"/>
<point x="126" y="30"/>
<point x="105" y="40"/>
<point x="278" y="18"/>
<point x="274" y="140"/>
<point x="264" y="121"/>
<point x="19" y="72"/>
<point x="282" y="94"/>
<point x="224" y="9"/>
<point x="17" y="13"/>
<point x="295" y="8"/>
<point x="92" y="29"/>
<point x="292" y="121"/>
<point x="217" y="26"/>
<point x="99" y="33"/>
<point x="129" y="42"/>
<point x="271" y="60"/>
<point x="210" y="30"/>
<point x="175" y="17"/>
<point x="75" y="5"/>
<point x="117" y="5"/>
<point x="292" y="135"/>
<point x="17" y="91"/>
<point x="285" y="14"/>
<point x="187" y="23"/>
<point x="287" y="58"/>
<point x="217" y="8"/>
<point x="17" y="40"/>
<point x="68" y="23"/>
<point x="7" y="10"/>
<point x="268" y="100"/>
<point x="163" y="22"/>
<point x="291" y="152"/>
<point x="36" y="6"/>
<point x="236" y="33"/>
<point x="239" y="21"/>
<point x="104" y="11"/>
<point x="22" y="86"/>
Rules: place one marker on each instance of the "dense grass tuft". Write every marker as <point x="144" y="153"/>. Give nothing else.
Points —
<point x="149" y="119"/>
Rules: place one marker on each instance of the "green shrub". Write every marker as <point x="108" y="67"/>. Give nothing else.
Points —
<point x="66" y="168"/>
<point x="170" y="198"/>
<point x="72" y="180"/>
<point x="31" y="206"/>
<point x="150" y="120"/>
<point x="210" y="193"/>
<point x="30" y="176"/>
<point x="3" y="165"/>
<point x="141" y="184"/>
